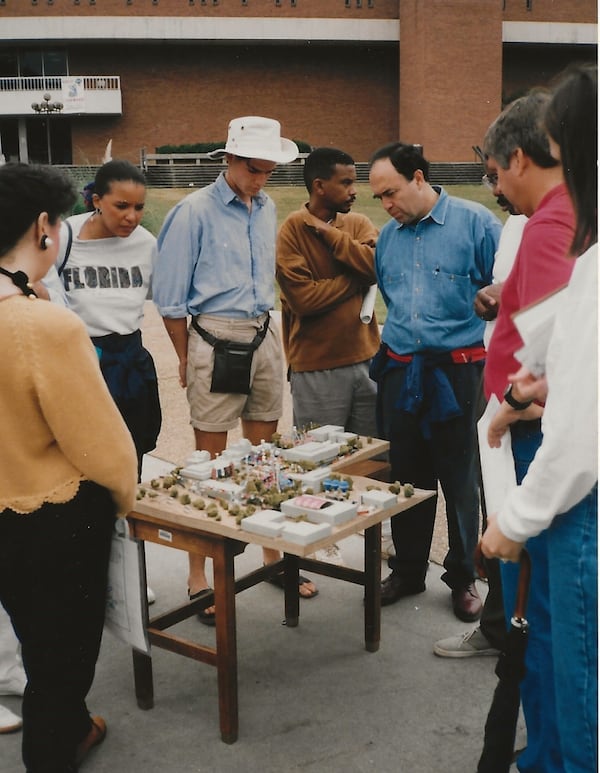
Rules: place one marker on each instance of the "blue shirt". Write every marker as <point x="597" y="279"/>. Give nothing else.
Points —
<point x="216" y="256"/>
<point x="429" y="273"/>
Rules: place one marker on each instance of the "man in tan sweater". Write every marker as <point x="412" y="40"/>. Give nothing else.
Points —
<point x="324" y="268"/>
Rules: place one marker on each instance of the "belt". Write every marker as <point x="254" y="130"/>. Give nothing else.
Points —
<point x="457" y="356"/>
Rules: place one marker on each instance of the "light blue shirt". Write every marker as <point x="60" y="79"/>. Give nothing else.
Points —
<point x="215" y="256"/>
<point x="429" y="273"/>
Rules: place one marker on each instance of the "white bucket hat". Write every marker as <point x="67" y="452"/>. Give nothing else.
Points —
<point x="256" y="137"/>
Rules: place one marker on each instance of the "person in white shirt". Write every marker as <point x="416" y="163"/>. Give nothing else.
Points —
<point x="12" y="674"/>
<point x="106" y="271"/>
<point x="559" y="491"/>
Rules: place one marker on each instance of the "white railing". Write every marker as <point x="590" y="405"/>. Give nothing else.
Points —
<point x="54" y="83"/>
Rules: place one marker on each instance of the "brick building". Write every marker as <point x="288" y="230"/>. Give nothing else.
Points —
<point x="351" y="73"/>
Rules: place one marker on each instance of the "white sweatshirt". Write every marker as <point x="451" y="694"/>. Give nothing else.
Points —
<point x="565" y="467"/>
<point x="107" y="281"/>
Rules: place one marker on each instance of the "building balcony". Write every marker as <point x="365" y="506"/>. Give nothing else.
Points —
<point x="79" y="94"/>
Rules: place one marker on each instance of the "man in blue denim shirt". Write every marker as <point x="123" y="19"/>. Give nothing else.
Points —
<point x="430" y="261"/>
<point x="216" y="263"/>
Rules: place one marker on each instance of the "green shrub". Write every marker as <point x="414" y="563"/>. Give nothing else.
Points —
<point x="207" y="147"/>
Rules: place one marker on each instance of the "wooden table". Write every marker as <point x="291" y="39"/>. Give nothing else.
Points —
<point x="164" y="521"/>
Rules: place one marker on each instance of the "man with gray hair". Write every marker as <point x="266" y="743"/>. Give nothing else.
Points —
<point x="523" y="170"/>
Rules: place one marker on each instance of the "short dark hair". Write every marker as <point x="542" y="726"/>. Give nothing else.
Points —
<point x="116" y="171"/>
<point x="405" y="159"/>
<point x="521" y="125"/>
<point x="572" y="122"/>
<point x="27" y="190"/>
<point x="321" y="163"/>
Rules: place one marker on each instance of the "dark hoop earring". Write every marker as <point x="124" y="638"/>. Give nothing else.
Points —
<point x="98" y="211"/>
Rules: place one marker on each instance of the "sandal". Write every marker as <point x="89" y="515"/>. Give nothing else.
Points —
<point x="207" y="618"/>
<point x="95" y="736"/>
<point x="279" y="581"/>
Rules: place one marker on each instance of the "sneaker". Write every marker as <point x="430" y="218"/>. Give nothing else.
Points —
<point x="466" y="645"/>
<point x="330" y="555"/>
<point x="9" y="722"/>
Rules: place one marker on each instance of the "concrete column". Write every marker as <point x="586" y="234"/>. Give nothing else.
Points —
<point x="450" y="74"/>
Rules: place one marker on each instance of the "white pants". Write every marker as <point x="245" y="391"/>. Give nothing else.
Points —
<point x="11" y="669"/>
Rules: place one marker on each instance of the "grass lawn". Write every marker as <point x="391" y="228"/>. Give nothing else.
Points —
<point x="160" y="200"/>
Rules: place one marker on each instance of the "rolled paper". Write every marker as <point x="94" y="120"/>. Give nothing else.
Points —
<point x="368" y="305"/>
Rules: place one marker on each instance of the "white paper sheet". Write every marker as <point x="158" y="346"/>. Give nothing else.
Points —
<point x="497" y="464"/>
<point x="368" y="305"/>
<point x="535" y="325"/>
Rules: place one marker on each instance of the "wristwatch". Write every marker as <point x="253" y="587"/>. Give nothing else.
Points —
<point x="513" y="402"/>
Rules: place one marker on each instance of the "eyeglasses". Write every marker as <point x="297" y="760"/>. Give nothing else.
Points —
<point x="490" y="181"/>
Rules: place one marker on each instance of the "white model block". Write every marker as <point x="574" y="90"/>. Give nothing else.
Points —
<point x="199" y="471"/>
<point x="343" y="437"/>
<point x="378" y="498"/>
<point x="318" y="453"/>
<point x="304" y="504"/>
<point x="268" y="523"/>
<point x="335" y="514"/>
<point x="237" y="451"/>
<point x="313" y="478"/>
<point x="197" y="457"/>
<point x="324" y="433"/>
<point x="319" y="509"/>
<point x="221" y="489"/>
<point x="303" y="533"/>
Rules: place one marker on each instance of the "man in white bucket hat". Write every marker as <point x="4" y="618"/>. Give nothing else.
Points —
<point x="216" y="264"/>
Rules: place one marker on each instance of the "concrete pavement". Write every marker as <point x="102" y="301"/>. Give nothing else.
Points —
<point x="311" y="698"/>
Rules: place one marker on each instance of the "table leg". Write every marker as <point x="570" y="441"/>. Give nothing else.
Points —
<point x="224" y="581"/>
<point x="292" y="596"/>
<point x="373" y="587"/>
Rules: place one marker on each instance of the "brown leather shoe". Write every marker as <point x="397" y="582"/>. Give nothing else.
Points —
<point x="395" y="587"/>
<point x="466" y="603"/>
<point x="96" y="735"/>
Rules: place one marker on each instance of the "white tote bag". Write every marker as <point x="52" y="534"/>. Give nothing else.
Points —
<point x="126" y="603"/>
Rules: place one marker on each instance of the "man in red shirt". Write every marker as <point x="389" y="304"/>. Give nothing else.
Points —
<point x="524" y="171"/>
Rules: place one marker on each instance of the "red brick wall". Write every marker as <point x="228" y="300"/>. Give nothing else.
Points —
<point x="343" y="96"/>
<point x="581" y="11"/>
<point x="450" y="74"/>
<point x="441" y="87"/>
<point x="333" y="9"/>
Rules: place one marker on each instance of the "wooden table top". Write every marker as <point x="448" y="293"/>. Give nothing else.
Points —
<point x="165" y="510"/>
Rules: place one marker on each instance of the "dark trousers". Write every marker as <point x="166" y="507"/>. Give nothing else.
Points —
<point x="448" y="456"/>
<point x="492" y="623"/>
<point x="53" y="574"/>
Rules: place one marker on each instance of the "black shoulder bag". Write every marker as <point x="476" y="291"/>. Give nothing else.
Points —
<point x="233" y="360"/>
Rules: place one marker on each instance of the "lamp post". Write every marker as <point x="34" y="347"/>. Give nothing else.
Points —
<point x="47" y="107"/>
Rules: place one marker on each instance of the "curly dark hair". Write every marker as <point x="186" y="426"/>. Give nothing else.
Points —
<point x="27" y="190"/>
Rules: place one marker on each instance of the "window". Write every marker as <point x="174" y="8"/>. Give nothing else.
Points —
<point x="33" y="63"/>
<point x="9" y="64"/>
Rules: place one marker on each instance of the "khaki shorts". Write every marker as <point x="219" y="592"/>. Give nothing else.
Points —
<point x="219" y="412"/>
